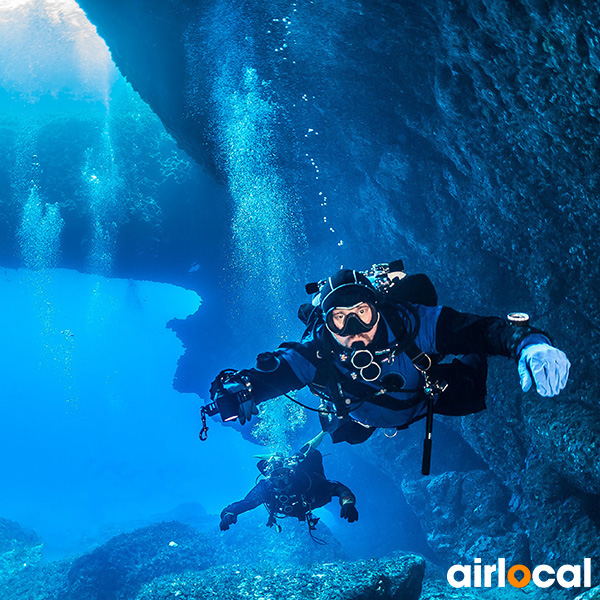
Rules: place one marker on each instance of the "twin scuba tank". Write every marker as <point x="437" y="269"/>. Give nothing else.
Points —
<point x="394" y="286"/>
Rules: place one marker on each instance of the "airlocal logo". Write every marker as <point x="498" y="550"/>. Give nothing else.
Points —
<point x="478" y="575"/>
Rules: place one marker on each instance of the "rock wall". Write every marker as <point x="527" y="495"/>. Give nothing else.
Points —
<point x="19" y="550"/>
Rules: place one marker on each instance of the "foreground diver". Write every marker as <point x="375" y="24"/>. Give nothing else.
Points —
<point x="375" y="352"/>
<point x="293" y="487"/>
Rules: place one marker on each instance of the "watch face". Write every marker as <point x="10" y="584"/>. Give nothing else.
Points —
<point x="518" y="318"/>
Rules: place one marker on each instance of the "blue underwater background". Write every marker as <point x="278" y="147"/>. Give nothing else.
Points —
<point x="173" y="173"/>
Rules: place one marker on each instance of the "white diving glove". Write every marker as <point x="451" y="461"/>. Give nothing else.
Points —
<point x="544" y="365"/>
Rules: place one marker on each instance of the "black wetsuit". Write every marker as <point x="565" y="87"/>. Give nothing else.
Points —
<point x="396" y="399"/>
<point x="307" y="490"/>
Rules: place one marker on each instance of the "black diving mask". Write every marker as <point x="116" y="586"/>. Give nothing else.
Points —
<point x="281" y="477"/>
<point x="352" y="323"/>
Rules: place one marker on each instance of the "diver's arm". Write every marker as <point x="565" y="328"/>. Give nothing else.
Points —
<point x="464" y="333"/>
<point x="282" y="372"/>
<point x="256" y="496"/>
<point x="539" y="362"/>
<point x="275" y="374"/>
<point x="341" y="491"/>
<point x="347" y="500"/>
<point x="238" y="393"/>
<point x="271" y="384"/>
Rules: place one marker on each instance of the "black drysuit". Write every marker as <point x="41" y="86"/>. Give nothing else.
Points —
<point x="307" y="490"/>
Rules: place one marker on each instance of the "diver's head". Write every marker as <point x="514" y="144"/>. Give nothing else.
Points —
<point x="278" y="468"/>
<point x="348" y="302"/>
<point x="281" y="477"/>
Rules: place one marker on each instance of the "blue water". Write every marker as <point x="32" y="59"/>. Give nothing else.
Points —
<point x="93" y="434"/>
<point x="94" y="439"/>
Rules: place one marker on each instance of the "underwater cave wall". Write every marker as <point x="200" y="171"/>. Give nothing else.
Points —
<point x="459" y="135"/>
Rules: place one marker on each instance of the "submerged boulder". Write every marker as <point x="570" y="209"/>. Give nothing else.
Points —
<point x="466" y="515"/>
<point x="123" y="564"/>
<point x="22" y="574"/>
<point x="19" y="549"/>
<point x="118" y="568"/>
<point x="382" y="579"/>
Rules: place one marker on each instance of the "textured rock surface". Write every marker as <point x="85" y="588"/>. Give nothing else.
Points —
<point x="118" y="568"/>
<point x="593" y="594"/>
<point x="530" y="452"/>
<point x="124" y="563"/>
<point x="176" y="559"/>
<point x="19" y="550"/>
<point x="385" y="579"/>
<point x="466" y="516"/>
<point x="566" y="435"/>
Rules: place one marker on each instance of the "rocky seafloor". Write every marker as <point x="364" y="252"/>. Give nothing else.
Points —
<point x="176" y="560"/>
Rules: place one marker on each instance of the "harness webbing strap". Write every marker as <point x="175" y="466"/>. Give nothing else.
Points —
<point x="328" y="380"/>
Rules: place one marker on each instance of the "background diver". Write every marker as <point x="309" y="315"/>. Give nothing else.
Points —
<point x="375" y="351"/>
<point x="293" y="487"/>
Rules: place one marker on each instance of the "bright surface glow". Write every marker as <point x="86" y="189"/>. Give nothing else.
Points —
<point x="62" y="5"/>
<point x="49" y="47"/>
<point x="10" y="5"/>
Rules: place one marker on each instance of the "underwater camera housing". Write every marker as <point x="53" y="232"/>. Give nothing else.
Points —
<point x="229" y="390"/>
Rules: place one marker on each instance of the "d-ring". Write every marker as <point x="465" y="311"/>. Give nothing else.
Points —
<point x="422" y="369"/>
<point x="361" y="358"/>
<point x="364" y="369"/>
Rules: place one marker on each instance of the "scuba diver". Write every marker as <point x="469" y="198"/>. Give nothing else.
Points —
<point x="293" y="487"/>
<point x="375" y="351"/>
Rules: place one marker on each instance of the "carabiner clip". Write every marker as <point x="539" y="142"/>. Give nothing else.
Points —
<point x="203" y="435"/>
